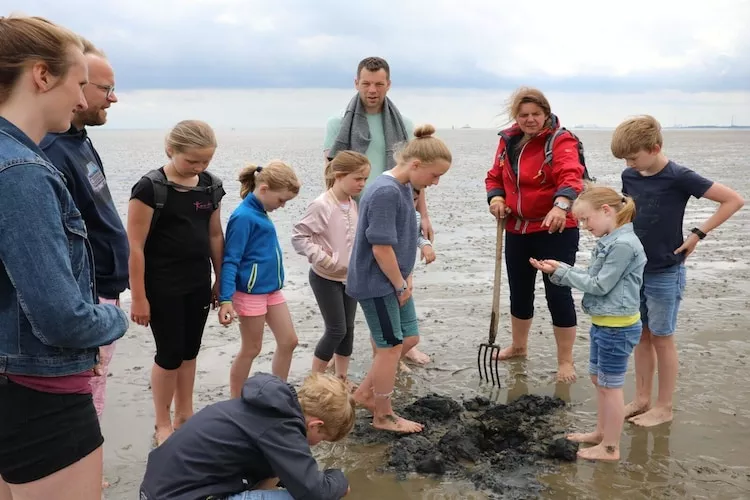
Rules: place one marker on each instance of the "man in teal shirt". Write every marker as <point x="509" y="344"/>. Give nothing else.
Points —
<point x="372" y="83"/>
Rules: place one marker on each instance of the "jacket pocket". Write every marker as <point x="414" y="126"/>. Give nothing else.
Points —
<point x="253" y="278"/>
<point x="75" y="230"/>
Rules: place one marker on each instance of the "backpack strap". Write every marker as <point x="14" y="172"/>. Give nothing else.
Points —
<point x="214" y="189"/>
<point x="159" y="183"/>
<point x="550" y="143"/>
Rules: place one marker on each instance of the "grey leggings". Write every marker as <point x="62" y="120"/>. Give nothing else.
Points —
<point x="338" y="310"/>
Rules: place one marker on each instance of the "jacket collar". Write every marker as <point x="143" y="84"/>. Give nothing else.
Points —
<point x="17" y="134"/>
<point x="253" y="202"/>
<point x="617" y="233"/>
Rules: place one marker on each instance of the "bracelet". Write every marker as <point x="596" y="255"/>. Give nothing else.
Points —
<point x="700" y="234"/>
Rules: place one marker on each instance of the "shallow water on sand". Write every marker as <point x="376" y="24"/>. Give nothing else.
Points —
<point x="702" y="453"/>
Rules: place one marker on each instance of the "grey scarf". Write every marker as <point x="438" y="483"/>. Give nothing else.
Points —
<point x="355" y="133"/>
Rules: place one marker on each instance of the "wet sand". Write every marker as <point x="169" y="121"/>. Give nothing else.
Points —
<point x="702" y="453"/>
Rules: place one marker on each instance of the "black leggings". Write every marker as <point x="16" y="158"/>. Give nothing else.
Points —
<point x="519" y="248"/>
<point x="177" y="322"/>
<point x="338" y="310"/>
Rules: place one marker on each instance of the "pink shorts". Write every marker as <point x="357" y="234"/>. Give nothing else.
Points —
<point x="248" y="304"/>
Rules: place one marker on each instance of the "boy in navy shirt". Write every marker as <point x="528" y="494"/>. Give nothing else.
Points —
<point x="661" y="189"/>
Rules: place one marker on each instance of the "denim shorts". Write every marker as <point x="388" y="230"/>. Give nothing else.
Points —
<point x="388" y="322"/>
<point x="262" y="495"/>
<point x="661" y="295"/>
<point x="610" y="350"/>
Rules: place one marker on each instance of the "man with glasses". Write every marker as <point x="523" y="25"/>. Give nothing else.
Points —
<point x="74" y="155"/>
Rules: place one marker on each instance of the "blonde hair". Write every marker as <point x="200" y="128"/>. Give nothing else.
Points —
<point x="424" y="147"/>
<point x="344" y="163"/>
<point x="597" y="196"/>
<point x="24" y="39"/>
<point x="190" y="134"/>
<point x="524" y="95"/>
<point x="640" y="133"/>
<point x="277" y="175"/>
<point x="328" y="398"/>
<point x="90" y="48"/>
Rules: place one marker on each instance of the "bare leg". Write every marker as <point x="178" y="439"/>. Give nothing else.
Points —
<point x="163" y="385"/>
<point x="614" y="411"/>
<point x="565" y="338"/>
<point x="598" y="434"/>
<point x="251" y="330"/>
<point x="383" y="379"/>
<point x="320" y="366"/>
<point x="4" y="490"/>
<point x="80" y="481"/>
<point x="183" y="396"/>
<point x="280" y="322"/>
<point x="342" y="366"/>
<point x="520" y="329"/>
<point x="410" y="343"/>
<point x="666" y="355"/>
<point x="645" y="365"/>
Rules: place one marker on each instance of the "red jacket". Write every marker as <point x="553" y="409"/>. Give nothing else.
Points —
<point x="531" y="195"/>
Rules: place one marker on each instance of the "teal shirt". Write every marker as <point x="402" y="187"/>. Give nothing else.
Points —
<point x="376" y="150"/>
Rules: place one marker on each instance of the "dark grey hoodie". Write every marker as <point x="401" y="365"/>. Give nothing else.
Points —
<point x="230" y="446"/>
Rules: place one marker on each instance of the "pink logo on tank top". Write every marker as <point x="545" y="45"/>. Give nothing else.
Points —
<point x="207" y="205"/>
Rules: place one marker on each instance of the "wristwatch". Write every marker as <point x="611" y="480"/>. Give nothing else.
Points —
<point x="400" y="291"/>
<point x="700" y="234"/>
<point x="565" y="205"/>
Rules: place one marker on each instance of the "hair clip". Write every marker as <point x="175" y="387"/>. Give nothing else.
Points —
<point x="258" y="170"/>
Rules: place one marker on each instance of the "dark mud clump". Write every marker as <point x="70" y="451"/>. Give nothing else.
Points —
<point x="499" y="448"/>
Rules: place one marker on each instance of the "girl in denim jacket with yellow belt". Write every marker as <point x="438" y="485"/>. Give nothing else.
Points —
<point x="611" y="287"/>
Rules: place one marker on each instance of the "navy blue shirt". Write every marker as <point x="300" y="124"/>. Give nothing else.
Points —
<point x="660" y="202"/>
<point x="73" y="154"/>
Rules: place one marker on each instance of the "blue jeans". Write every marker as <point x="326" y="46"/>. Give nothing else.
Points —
<point x="610" y="350"/>
<point x="262" y="495"/>
<point x="661" y="295"/>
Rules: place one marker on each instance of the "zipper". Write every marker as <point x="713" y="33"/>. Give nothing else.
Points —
<point x="278" y="265"/>
<point x="253" y="277"/>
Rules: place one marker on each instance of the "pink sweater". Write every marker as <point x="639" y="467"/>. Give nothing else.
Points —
<point x="325" y="236"/>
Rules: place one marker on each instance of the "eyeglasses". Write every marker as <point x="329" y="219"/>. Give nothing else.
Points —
<point x="109" y="89"/>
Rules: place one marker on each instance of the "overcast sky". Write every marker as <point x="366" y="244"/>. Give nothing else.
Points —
<point x="689" y="62"/>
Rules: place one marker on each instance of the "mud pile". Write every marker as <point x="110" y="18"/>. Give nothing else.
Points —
<point x="499" y="448"/>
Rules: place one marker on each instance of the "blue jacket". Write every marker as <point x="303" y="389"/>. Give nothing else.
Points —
<point x="49" y="324"/>
<point x="252" y="254"/>
<point x="74" y="155"/>
<point x="611" y="285"/>
<point x="230" y="446"/>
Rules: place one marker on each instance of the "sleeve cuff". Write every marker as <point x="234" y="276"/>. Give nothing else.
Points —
<point x="567" y="192"/>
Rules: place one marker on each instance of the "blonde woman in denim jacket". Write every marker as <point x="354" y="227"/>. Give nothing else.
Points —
<point x="50" y="326"/>
<point x="611" y="295"/>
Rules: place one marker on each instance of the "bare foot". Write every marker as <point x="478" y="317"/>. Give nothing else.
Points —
<point x="635" y="408"/>
<point x="600" y="452"/>
<point x="509" y="352"/>
<point x="394" y="423"/>
<point x="586" y="437"/>
<point x="403" y="368"/>
<point x="418" y="357"/>
<point x="179" y="420"/>
<point x="365" y="400"/>
<point x="161" y="434"/>
<point x="566" y="373"/>
<point x="653" y="417"/>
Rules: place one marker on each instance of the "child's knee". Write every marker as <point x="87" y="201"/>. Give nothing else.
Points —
<point x="288" y="343"/>
<point x="250" y="350"/>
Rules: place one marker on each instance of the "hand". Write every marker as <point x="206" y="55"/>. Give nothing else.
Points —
<point x="689" y="246"/>
<point x="498" y="209"/>
<point x="428" y="254"/>
<point x="546" y="266"/>
<point x="98" y="370"/>
<point x="348" y="490"/>
<point x="427" y="228"/>
<point x="410" y="283"/>
<point x="215" y="296"/>
<point x="404" y="297"/>
<point x="140" y="311"/>
<point x="226" y="313"/>
<point x="555" y="220"/>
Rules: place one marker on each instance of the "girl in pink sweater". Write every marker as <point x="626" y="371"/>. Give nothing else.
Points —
<point x="325" y="235"/>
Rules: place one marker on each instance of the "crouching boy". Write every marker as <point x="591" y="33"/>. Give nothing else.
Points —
<point x="238" y="449"/>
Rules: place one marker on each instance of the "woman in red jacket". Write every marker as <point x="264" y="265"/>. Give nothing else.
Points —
<point x="534" y="193"/>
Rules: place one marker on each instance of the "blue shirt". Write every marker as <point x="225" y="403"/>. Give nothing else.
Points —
<point x="386" y="217"/>
<point x="611" y="285"/>
<point x="660" y="202"/>
<point x="252" y="254"/>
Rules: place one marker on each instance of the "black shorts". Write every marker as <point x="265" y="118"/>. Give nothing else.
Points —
<point x="42" y="433"/>
<point x="177" y="322"/>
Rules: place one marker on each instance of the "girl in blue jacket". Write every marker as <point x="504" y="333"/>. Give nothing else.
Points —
<point x="252" y="274"/>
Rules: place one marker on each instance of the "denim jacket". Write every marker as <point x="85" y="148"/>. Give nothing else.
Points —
<point x="49" y="322"/>
<point x="612" y="284"/>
